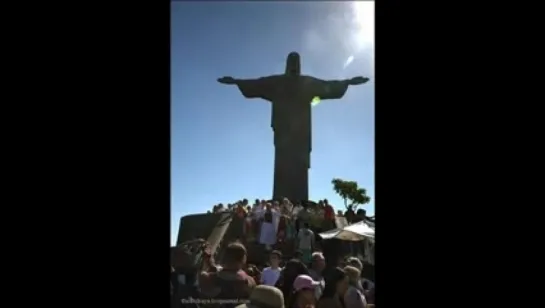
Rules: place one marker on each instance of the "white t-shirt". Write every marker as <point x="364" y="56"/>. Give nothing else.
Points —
<point x="270" y="276"/>
<point x="306" y="238"/>
<point x="296" y="210"/>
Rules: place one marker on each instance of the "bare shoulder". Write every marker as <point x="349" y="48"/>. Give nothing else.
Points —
<point x="251" y="282"/>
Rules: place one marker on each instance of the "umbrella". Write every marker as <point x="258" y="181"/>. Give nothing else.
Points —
<point x="354" y="232"/>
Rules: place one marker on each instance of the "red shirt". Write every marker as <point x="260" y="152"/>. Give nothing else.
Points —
<point x="329" y="214"/>
<point x="240" y="212"/>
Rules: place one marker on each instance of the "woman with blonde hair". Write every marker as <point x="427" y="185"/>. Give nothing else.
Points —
<point x="354" y="298"/>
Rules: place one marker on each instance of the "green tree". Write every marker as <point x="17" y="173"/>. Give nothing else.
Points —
<point x="349" y="191"/>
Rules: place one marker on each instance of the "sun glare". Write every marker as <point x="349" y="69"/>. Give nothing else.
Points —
<point x="364" y="17"/>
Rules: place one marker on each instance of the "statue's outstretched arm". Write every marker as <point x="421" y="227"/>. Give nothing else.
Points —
<point x="328" y="89"/>
<point x="333" y="89"/>
<point x="253" y="88"/>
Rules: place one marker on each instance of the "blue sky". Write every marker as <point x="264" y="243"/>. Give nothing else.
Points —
<point x="222" y="146"/>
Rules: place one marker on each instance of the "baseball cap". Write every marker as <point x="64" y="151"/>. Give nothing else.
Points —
<point x="304" y="282"/>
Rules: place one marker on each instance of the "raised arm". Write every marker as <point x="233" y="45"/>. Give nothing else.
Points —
<point x="263" y="87"/>
<point x="332" y="89"/>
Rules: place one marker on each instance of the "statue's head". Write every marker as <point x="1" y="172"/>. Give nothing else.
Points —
<point x="293" y="64"/>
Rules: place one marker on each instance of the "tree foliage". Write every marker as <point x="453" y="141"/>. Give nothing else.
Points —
<point x="349" y="191"/>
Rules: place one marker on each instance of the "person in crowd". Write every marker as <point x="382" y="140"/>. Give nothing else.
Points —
<point x="305" y="242"/>
<point x="268" y="226"/>
<point x="231" y="282"/>
<point x="240" y="211"/>
<point x="256" y="213"/>
<point x="303" y="295"/>
<point x="253" y="271"/>
<point x="249" y="232"/>
<point x="184" y="263"/>
<point x="303" y="216"/>
<point x="264" y="296"/>
<point x="282" y="227"/>
<point x="349" y="214"/>
<point x="370" y="297"/>
<point x="270" y="274"/>
<point x="316" y="216"/>
<point x="290" y="227"/>
<point x="317" y="267"/>
<point x="203" y="280"/>
<point x="292" y="269"/>
<point x="297" y="207"/>
<point x="287" y="211"/>
<point x="336" y="284"/>
<point x="298" y="255"/>
<point x="276" y="205"/>
<point x="295" y="213"/>
<point x="341" y="262"/>
<point x="287" y="205"/>
<point x="208" y="262"/>
<point x="361" y="214"/>
<point x="365" y="283"/>
<point x="329" y="216"/>
<point x="355" y="262"/>
<point x="354" y="297"/>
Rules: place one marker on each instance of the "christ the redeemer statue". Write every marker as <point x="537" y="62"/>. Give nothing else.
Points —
<point x="291" y="95"/>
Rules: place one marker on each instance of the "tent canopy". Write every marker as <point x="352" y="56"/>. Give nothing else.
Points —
<point x="354" y="232"/>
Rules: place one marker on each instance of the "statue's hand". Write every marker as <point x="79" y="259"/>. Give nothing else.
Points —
<point x="358" y="80"/>
<point x="226" y="80"/>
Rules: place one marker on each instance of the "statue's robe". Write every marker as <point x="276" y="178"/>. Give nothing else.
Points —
<point x="291" y="98"/>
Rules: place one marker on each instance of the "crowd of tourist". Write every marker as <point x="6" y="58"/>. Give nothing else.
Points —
<point x="269" y="222"/>
<point x="295" y="285"/>
<point x="304" y="281"/>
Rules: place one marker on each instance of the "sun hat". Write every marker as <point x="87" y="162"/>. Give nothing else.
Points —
<point x="304" y="282"/>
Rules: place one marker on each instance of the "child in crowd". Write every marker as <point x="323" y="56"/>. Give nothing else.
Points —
<point x="270" y="275"/>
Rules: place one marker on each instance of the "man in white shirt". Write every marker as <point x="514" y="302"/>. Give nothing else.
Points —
<point x="305" y="242"/>
<point x="270" y="275"/>
<point x="270" y="218"/>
